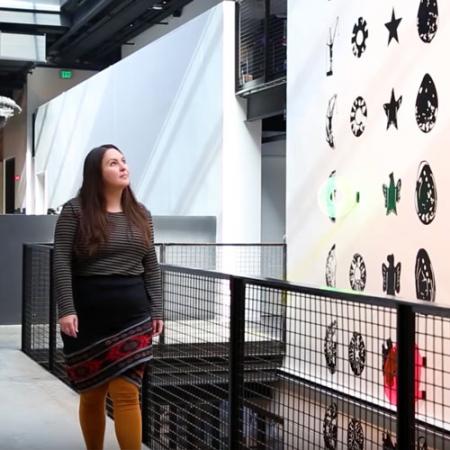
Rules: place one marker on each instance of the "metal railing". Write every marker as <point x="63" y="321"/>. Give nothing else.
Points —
<point x="262" y="43"/>
<point x="260" y="260"/>
<point x="248" y="363"/>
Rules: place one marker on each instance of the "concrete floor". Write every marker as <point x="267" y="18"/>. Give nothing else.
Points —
<point x="37" y="411"/>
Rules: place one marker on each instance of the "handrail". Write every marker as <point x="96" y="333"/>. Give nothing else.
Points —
<point x="420" y="306"/>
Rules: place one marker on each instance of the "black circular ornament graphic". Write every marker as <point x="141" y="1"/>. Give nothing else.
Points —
<point x="330" y="269"/>
<point x="425" y="282"/>
<point x="330" y="347"/>
<point x="355" y="435"/>
<point x="357" y="353"/>
<point x="388" y="444"/>
<point x="358" y="116"/>
<point x="358" y="273"/>
<point x="422" y="443"/>
<point x="330" y="427"/>
<point x="359" y="37"/>
<point x="426" y="195"/>
<point x="427" y="20"/>
<point x="426" y="104"/>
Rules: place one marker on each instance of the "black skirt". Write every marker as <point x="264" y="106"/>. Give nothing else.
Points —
<point x="114" y="331"/>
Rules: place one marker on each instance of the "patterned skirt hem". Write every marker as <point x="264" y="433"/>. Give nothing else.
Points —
<point x="118" y="355"/>
<point x="123" y="373"/>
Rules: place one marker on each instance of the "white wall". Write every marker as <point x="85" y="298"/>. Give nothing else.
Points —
<point x="363" y="165"/>
<point x="43" y="84"/>
<point x="241" y="155"/>
<point x="172" y="108"/>
<point x="162" y="106"/>
<point x="14" y="146"/>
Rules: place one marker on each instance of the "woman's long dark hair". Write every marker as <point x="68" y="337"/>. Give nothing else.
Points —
<point x="93" y="230"/>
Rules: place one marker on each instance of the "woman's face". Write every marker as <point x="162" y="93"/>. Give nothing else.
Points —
<point x="114" y="169"/>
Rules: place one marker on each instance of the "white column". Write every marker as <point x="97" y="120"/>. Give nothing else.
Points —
<point x="240" y="219"/>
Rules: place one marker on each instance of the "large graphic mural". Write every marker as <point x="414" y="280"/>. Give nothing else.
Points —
<point x="368" y="115"/>
<point x="384" y="125"/>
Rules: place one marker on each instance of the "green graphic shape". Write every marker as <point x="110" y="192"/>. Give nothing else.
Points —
<point x="337" y="197"/>
<point x="392" y="194"/>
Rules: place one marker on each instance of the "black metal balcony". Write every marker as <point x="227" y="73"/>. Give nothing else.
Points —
<point x="262" y="44"/>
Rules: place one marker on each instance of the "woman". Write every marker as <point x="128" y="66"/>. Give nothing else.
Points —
<point x="108" y="292"/>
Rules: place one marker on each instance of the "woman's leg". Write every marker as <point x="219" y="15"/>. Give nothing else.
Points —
<point x="127" y="413"/>
<point x="92" y="416"/>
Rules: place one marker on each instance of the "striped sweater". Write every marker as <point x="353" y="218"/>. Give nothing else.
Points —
<point x="123" y="254"/>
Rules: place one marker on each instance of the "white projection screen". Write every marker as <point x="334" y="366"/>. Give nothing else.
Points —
<point x="162" y="106"/>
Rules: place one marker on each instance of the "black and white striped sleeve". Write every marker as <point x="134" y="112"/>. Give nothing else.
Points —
<point x="65" y="231"/>
<point x="152" y="276"/>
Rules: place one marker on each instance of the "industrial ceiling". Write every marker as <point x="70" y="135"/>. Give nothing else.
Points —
<point x="83" y="34"/>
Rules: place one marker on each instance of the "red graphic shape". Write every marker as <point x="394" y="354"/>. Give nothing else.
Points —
<point x="390" y="372"/>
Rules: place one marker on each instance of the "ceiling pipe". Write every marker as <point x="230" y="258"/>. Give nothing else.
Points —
<point x="130" y="12"/>
<point x="79" y="21"/>
<point x="146" y="21"/>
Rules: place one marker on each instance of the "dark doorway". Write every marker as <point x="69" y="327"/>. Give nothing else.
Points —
<point x="10" y="188"/>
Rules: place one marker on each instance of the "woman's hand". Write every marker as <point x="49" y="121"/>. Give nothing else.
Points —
<point x="157" y="327"/>
<point x="69" y="325"/>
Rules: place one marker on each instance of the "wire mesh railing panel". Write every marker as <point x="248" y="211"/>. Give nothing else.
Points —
<point x="340" y="344"/>
<point x="36" y="333"/>
<point x="195" y="256"/>
<point x="264" y="349"/>
<point x="188" y="378"/>
<point x="252" y="261"/>
<point x="257" y="260"/>
<point x="27" y="292"/>
<point x="432" y="381"/>
<point x="310" y="368"/>
<point x="328" y="420"/>
<point x="335" y="344"/>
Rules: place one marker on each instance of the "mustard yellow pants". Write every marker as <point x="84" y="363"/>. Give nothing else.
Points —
<point x="127" y="414"/>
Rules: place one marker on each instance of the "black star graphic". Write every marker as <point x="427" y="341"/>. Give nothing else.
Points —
<point x="392" y="26"/>
<point x="391" y="110"/>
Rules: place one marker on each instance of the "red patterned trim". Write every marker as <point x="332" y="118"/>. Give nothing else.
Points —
<point x="113" y="359"/>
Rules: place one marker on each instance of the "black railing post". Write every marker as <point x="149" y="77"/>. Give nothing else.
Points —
<point x="162" y="260"/>
<point x="25" y="324"/>
<point x="236" y="387"/>
<point x="52" y="319"/>
<point x="162" y="253"/>
<point x="406" y="332"/>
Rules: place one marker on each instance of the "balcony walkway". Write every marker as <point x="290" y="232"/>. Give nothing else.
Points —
<point x="38" y="411"/>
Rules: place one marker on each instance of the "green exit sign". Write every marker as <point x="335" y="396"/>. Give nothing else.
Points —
<point x="65" y="74"/>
